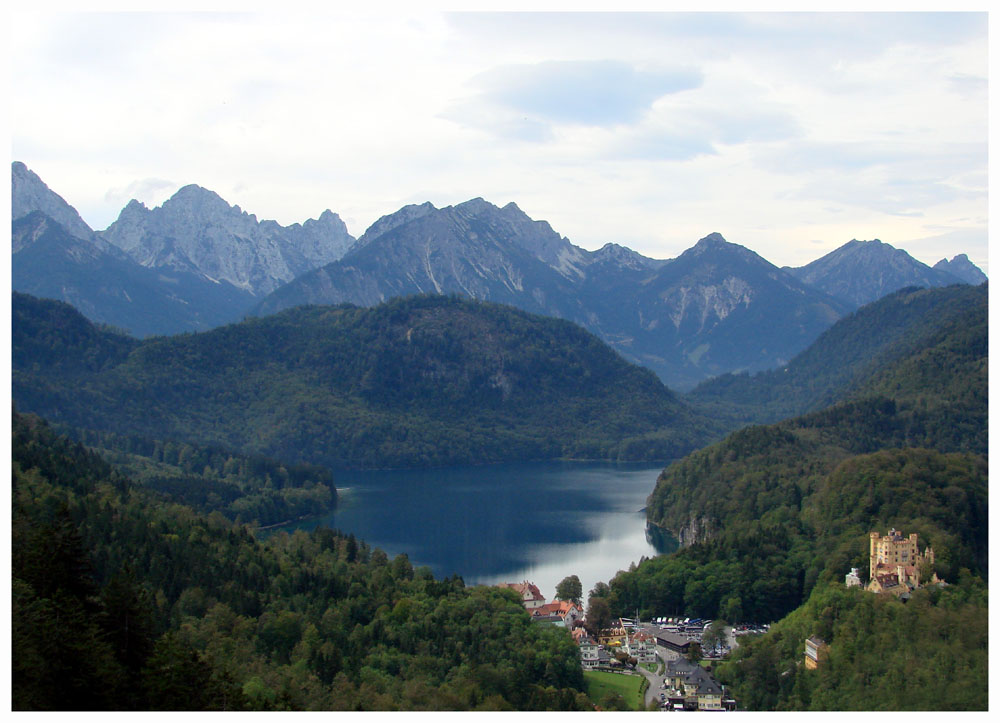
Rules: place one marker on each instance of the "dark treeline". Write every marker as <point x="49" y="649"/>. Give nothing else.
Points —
<point x="124" y="601"/>
<point x="246" y="489"/>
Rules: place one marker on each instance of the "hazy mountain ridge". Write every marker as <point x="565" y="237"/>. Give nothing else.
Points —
<point x="108" y="287"/>
<point x="860" y="272"/>
<point x="716" y="308"/>
<point x="719" y="306"/>
<point x="186" y="257"/>
<point x="964" y="269"/>
<point x="840" y="361"/>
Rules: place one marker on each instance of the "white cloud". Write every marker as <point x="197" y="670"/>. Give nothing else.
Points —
<point x="647" y="129"/>
<point x="151" y="191"/>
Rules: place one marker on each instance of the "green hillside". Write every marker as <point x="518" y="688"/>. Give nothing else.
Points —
<point x="123" y="601"/>
<point x="841" y="363"/>
<point x="771" y="516"/>
<point x="928" y="654"/>
<point x="413" y="382"/>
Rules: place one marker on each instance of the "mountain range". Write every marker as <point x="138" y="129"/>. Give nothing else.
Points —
<point x="196" y="262"/>
<point x="190" y="265"/>
<point x="717" y="307"/>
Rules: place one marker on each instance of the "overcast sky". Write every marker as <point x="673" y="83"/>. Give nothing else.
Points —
<point x="790" y="134"/>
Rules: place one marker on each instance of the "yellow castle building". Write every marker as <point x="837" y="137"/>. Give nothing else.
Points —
<point x="894" y="562"/>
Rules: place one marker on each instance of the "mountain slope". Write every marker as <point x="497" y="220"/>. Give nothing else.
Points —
<point x="771" y="511"/>
<point x="197" y="232"/>
<point x="930" y="393"/>
<point x="108" y="287"/>
<point x="842" y="359"/>
<point x="474" y="249"/>
<point x="720" y="307"/>
<point x="860" y="272"/>
<point x="28" y="193"/>
<point x="668" y="315"/>
<point x="421" y="381"/>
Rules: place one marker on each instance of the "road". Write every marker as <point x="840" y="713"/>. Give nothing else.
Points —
<point x="655" y="680"/>
<point x="665" y="654"/>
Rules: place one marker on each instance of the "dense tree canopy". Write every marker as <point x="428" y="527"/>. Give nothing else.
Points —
<point x="417" y="381"/>
<point x="121" y="600"/>
<point x="930" y="653"/>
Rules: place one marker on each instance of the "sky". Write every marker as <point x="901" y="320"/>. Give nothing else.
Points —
<point x="788" y="133"/>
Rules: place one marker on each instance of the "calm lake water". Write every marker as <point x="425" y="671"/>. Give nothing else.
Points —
<point x="538" y="521"/>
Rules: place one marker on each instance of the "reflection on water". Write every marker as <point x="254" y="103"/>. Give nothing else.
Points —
<point x="660" y="539"/>
<point x="537" y="521"/>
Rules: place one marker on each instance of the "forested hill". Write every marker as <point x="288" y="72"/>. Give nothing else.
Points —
<point x="929" y="654"/>
<point x="773" y="517"/>
<point x="933" y="397"/>
<point x="122" y="601"/>
<point x="770" y="510"/>
<point x="416" y="381"/>
<point x="840" y="364"/>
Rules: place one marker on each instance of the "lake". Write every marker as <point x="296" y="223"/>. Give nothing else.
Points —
<point x="537" y="521"/>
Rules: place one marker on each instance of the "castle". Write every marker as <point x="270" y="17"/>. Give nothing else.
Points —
<point x="894" y="563"/>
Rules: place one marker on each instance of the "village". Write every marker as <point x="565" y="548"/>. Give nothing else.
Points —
<point x="666" y="652"/>
<point x="673" y="655"/>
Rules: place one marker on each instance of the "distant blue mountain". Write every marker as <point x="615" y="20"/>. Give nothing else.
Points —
<point x="860" y="272"/>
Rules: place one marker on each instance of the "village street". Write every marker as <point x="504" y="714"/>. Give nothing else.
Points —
<point x="664" y="655"/>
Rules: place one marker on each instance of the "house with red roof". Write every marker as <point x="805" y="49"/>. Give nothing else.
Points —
<point x="566" y="611"/>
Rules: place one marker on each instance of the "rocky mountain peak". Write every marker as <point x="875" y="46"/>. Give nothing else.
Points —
<point x="195" y="200"/>
<point x="961" y="267"/>
<point x="860" y="272"/>
<point x="476" y="207"/>
<point x="390" y="221"/>
<point x="197" y="231"/>
<point x="713" y="239"/>
<point x="328" y="222"/>
<point x="715" y="248"/>
<point x="624" y="257"/>
<point x="28" y="193"/>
